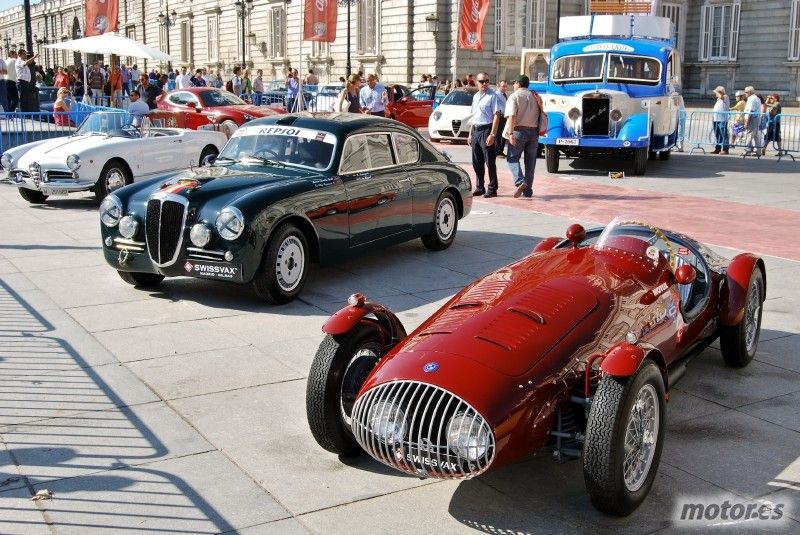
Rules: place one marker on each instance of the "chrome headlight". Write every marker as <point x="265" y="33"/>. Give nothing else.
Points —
<point x="6" y="160"/>
<point x="200" y="234"/>
<point x="110" y="210"/>
<point x="468" y="436"/>
<point x="230" y="223"/>
<point x="615" y="115"/>
<point x="437" y="115"/>
<point x="574" y="114"/>
<point x="73" y="162"/>
<point x="128" y="226"/>
<point x="387" y="422"/>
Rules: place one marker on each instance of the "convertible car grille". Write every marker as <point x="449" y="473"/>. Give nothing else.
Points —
<point x="35" y="173"/>
<point x="163" y="225"/>
<point x="425" y="413"/>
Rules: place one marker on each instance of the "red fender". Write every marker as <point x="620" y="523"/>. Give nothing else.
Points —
<point x="731" y="310"/>
<point x="348" y="317"/>
<point x="547" y="244"/>
<point x="622" y="360"/>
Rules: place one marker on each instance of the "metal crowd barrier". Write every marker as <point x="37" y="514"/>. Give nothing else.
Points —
<point x="782" y="132"/>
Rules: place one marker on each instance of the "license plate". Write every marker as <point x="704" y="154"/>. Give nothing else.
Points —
<point x="567" y="141"/>
<point x="55" y="191"/>
<point x="213" y="270"/>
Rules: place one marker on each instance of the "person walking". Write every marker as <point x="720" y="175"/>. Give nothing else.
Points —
<point x="115" y="87"/>
<point x="752" y="113"/>
<point x="258" y="87"/>
<point x="12" y="96"/>
<point x="372" y="97"/>
<point x="500" y="141"/>
<point x="487" y="110"/>
<point x="96" y="81"/>
<point x="125" y="75"/>
<point x="721" y="109"/>
<point x="523" y="115"/>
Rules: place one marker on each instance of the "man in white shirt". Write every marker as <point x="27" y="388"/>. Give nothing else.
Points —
<point x="183" y="80"/>
<point x="135" y="75"/>
<point x="752" y="114"/>
<point x="25" y="87"/>
<point x="3" y="73"/>
<point x="11" y="81"/>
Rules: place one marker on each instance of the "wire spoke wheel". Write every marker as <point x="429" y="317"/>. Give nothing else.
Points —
<point x="640" y="438"/>
<point x="751" y="315"/>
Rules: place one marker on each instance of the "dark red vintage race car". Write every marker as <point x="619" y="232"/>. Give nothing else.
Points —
<point x="575" y="346"/>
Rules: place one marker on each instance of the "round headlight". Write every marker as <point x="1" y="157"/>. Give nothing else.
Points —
<point x="110" y="210"/>
<point x="200" y="234"/>
<point x="387" y="422"/>
<point x="230" y="223"/>
<point x="615" y="115"/>
<point x="6" y="160"/>
<point x="128" y="226"/>
<point x="467" y="436"/>
<point x="574" y="114"/>
<point x="248" y="117"/>
<point x="437" y="115"/>
<point x="73" y="162"/>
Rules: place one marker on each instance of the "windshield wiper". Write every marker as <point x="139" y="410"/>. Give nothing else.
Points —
<point x="266" y="161"/>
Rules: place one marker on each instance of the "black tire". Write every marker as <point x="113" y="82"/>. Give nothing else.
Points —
<point x="141" y="279"/>
<point x="640" y="161"/>
<point x="651" y="155"/>
<point x="114" y="175"/>
<point x="551" y="156"/>
<point x="737" y="350"/>
<point x="340" y="367"/>
<point x="207" y="153"/>
<point x="33" y="196"/>
<point x="664" y="155"/>
<point x="284" y="266"/>
<point x="606" y="433"/>
<point x="445" y="223"/>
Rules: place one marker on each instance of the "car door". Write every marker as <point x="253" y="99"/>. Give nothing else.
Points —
<point x="415" y="108"/>
<point x="378" y="189"/>
<point x="159" y="151"/>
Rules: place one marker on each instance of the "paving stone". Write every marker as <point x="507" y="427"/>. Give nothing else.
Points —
<point x="290" y="526"/>
<point x="60" y="261"/>
<point x="781" y="410"/>
<point x="146" y="311"/>
<point x="85" y="286"/>
<point x="783" y="352"/>
<point x="19" y="515"/>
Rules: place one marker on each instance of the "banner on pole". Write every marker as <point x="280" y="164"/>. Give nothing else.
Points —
<point x="319" y="20"/>
<point x="470" y="27"/>
<point x="101" y="16"/>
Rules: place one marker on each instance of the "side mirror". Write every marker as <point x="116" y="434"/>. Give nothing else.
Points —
<point x="576" y="234"/>
<point x="685" y="274"/>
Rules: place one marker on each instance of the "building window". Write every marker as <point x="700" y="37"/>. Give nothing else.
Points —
<point x="185" y="41"/>
<point x="518" y="24"/>
<point x="794" y="32"/>
<point x="367" y="27"/>
<point x="533" y="25"/>
<point x="276" y="33"/>
<point x="130" y="33"/>
<point x="720" y="31"/>
<point x="212" y="29"/>
<point x="320" y="49"/>
<point x="675" y="13"/>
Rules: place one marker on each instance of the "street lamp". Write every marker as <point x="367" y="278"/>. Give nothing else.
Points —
<point x="243" y="10"/>
<point x="167" y="20"/>
<point x="432" y="23"/>
<point x="348" y="3"/>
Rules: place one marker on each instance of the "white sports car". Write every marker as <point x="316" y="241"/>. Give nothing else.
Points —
<point x="108" y="151"/>
<point x="451" y="119"/>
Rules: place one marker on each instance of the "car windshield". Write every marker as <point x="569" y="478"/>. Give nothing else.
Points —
<point x="220" y="98"/>
<point x="459" y="98"/>
<point x="112" y="123"/>
<point x="280" y="145"/>
<point x="586" y="67"/>
<point x="633" y="69"/>
<point x="637" y="237"/>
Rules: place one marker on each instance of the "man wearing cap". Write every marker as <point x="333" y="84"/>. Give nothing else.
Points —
<point x="523" y="113"/>
<point x="487" y="109"/>
<point x="752" y="113"/>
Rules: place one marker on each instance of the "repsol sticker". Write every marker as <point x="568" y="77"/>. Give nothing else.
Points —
<point x="214" y="270"/>
<point x="287" y="131"/>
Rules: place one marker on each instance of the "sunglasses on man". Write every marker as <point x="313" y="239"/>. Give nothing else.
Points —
<point x="483" y="81"/>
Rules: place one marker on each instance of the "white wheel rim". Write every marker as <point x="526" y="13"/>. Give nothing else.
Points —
<point x="114" y="179"/>
<point x="290" y="263"/>
<point x="445" y="219"/>
<point x="641" y="438"/>
<point x="751" y="315"/>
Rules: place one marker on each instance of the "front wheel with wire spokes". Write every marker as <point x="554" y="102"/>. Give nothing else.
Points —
<point x="739" y="342"/>
<point x="624" y="437"/>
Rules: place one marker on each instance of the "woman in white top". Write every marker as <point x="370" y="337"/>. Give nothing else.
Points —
<point x="721" y="109"/>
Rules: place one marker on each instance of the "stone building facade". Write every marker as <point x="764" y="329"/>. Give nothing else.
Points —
<point x="723" y="42"/>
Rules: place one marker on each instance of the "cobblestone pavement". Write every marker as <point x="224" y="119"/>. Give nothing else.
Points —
<point x="182" y="410"/>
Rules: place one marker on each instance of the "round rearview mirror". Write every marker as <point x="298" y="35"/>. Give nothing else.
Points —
<point x="685" y="274"/>
<point x="576" y="234"/>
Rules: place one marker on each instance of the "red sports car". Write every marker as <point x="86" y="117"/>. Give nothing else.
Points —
<point x="213" y="106"/>
<point x="411" y="107"/>
<point x="575" y="346"/>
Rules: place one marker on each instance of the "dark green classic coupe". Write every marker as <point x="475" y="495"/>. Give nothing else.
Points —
<point x="286" y="191"/>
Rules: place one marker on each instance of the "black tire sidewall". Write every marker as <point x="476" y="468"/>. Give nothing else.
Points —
<point x="434" y="241"/>
<point x="101" y="188"/>
<point x="551" y="158"/>
<point x="733" y="340"/>
<point x="32" y="196"/>
<point x="266" y="281"/>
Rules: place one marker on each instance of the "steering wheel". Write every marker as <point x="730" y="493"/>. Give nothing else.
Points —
<point x="673" y="258"/>
<point x="267" y="153"/>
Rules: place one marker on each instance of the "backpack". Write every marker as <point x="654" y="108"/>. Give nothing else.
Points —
<point x="229" y="86"/>
<point x="543" y="119"/>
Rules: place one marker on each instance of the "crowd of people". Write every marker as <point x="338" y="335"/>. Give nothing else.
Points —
<point x="752" y="121"/>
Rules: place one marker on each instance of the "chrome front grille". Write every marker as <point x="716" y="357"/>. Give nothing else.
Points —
<point x="425" y="415"/>
<point x="164" y="224"/>
<point x="35" y="173"/>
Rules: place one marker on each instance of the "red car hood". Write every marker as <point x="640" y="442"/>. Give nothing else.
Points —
<point x="513" y="318"/>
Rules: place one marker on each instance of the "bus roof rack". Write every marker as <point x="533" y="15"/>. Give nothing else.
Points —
<point x="619" y="26"/>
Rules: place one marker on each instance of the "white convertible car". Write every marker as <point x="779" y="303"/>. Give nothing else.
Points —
<point x="452" y="118"/>
<point x="108" y="151"/>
